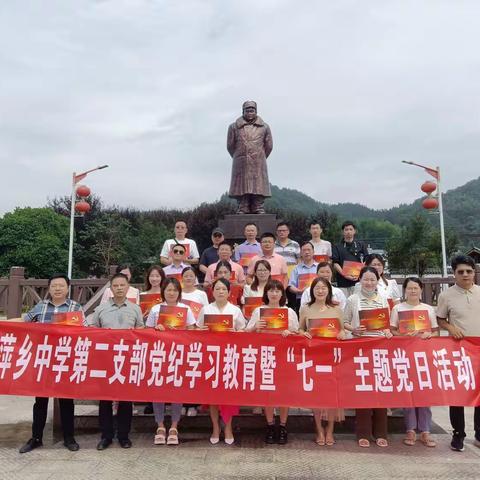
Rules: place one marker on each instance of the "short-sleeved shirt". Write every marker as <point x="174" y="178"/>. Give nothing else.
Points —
<point x="323" y="247"/>
<point x="229" y="309"/>
<point x="209" y="256"/>
<point x="337" y="296"/>
<point x="44" y="311"/>
<point x="249" y="292"/>
<point x="197" y="296"/>
<point x="277" y="262"/>
<point x="247" y="247"/>
<point x="173" y="270"/>
<point x="167" y="247"/>
<point x="292" y="319"/>
<point x="355" y="251"/>
<point x="290" y="252"/>
<point x="155" y="311"/>
<point x="406" y="307"/>
<point x="237" y="268"/>
<point x="133" y="294"/>
<point x="301" y="269"/>
<point x="110" y="315"/>
<point x="461" y="308"/>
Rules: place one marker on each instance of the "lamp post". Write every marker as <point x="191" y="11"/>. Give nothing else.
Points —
<point x="73" y="199"/>
<point x="435" y="172"/>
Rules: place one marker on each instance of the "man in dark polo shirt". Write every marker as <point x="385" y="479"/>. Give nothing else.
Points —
<point x="43" y="312"/>
<point x="210" y="254"/>
<point x="349" y="249"/>
<point x="118" y="313"/>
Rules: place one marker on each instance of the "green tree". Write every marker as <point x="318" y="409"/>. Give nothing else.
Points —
<point x="417" y="246"/>
<point x="34" y="238"/>
<point x="106" y="237"/>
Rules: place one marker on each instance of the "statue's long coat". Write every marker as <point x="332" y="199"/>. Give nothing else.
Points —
<point x="249" y="144"/>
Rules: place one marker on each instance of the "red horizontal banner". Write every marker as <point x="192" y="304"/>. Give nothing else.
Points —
<point x="236" y="368"/>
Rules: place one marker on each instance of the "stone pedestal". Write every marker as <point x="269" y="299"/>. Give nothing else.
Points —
<point x="234" y="225"/>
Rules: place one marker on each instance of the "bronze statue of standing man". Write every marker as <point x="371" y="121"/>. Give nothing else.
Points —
<point x="249" y="142"/>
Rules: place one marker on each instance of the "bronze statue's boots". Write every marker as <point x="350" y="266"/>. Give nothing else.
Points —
<point x="244" y="204"/>
<point x="257" y="204"/>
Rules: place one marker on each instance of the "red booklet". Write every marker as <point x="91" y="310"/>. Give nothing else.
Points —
<point x="175" y="317"/>
<point x="390" y="303"/>
<point x="276" y="318"/>
<point x="351" y="269"/>
<point x="235" y="296"/>
<point x="195" y="307"/>
<point x="149" y="300"/>
<point x="324" y="327"/>
<point x="245" y="259"/>
<point x="217" y="322"/>
<point x="376" y="319"/>
<point x="305" y="280"/>
<point x="187" y="249"/>
<point x="251" y="303"/>
<point x="414" y="320"/>
<point x="321" y="258"/>
<point x="280" y="278"/>
<point x="68" y="318"/>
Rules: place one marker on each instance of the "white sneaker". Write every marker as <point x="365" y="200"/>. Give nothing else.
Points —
<point x="257" y="410"/>
<point x="192" y="412"/>
<point x="184" y="411"/>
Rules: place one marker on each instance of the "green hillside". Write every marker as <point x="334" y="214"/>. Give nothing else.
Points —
<point x="460" y="204"/>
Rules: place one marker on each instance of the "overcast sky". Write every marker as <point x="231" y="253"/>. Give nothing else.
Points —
<point x="349" y="89"/>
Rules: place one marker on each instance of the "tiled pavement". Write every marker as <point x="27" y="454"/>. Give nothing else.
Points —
<point x="195" y="458"/>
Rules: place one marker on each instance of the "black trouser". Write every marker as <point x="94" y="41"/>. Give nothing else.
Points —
<point x="40" y="409"/>
<point x="124" y="419"/>
<point x="457" y="419"/>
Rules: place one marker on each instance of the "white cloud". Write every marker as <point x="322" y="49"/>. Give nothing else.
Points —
<point x="149" y="87"/>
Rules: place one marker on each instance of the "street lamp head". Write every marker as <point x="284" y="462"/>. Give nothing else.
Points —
<point x="103" y="166"/>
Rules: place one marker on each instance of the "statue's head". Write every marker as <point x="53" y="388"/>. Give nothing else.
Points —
<point x="249" y="110"/>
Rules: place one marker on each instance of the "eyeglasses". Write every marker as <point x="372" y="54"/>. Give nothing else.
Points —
<point x="465" y="272"/>
<point x="178" y="251"/>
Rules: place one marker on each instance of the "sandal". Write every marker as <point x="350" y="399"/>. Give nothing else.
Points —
<point x="427" y="440"/>
<point x="320" y="439"/>
<point x="410" y="439"/>
<point x="363" y="442"/>
<point x="381" y="442"/>
<point x="159" y="436"/>
<point x="172" y="437"/>
<point x="329" y="441"/>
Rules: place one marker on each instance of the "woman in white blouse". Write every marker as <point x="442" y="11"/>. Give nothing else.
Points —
<point x="274" y="296"/>
<point x="261" y="275"/>
<point x="221" y="306"/>
<point x="171" y="292"/>
<point x="370" y="422"/>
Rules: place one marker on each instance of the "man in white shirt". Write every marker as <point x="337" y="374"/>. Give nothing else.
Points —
<point x="180" y="238"/>
<point x="320" y="247"/>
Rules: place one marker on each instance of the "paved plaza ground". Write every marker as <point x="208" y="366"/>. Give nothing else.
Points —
<point x="195" y="458"/>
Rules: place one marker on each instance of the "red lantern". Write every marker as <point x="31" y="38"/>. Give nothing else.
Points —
<point x="82" y="207"/>
<point x="428" y="187"/>
<point x="83" y="191"/>
<point x="430" y="203"/>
